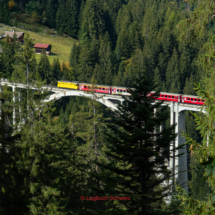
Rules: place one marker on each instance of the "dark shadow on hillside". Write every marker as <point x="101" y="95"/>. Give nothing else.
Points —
<point x="53" y="54"/>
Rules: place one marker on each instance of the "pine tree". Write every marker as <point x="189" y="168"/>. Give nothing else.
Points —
<point x="123" y="44"/>
<point x="44" y="68"/>
<point x="51" y="10"/>
<point x="85" y="66"/>
<point x="73" y="59"/>
<point x="157" y="79"/>
<point x="56" y="70"/>
<point x="175" y="86"/>
<point x="6" y="14"/>
<point x="67" y="72"/>
<point x="119" y="79"/>
<point x="189" y="86"/>
<point x="89" y="125"/>
<point x="93" y="20"/>
<point x="105" y="74"/>
<point x="50" y="161"/>
<point x="136" y="154"/>
<point x="8" y="57"/>
<point x="185" y="64"/>
<point x="71" y="16"/>
<point x="12" y="200"/>
<point x="172" y="72"/>
<point x="60" y="17"/>
<point x="25" y="69"/>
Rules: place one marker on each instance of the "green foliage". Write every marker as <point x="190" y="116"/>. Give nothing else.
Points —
<point x="8" y="56"/>
<point x="24" y="60"/>
<point x="56" y="70"/>
<point x="32" y="6"/>
<point x="93" y="20"/>
<point x="44" y="68"/>
<point x="51" y="10"/>
<point x="135" y="153"/>
<point x="4" y="12"/>
<point x="11" y="179"/>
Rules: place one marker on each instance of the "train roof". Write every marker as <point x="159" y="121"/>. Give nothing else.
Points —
<point x="164" y="93"/>
<point x="96" y="85"/>
<point x="125" y="88"/>
<point x="76" y="82"/>
<point x="191" y="96"/>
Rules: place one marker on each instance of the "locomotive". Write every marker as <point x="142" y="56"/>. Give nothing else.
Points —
<point x="114" y="90"/>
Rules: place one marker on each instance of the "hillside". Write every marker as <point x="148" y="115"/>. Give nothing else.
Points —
<point x="61" y="46"/>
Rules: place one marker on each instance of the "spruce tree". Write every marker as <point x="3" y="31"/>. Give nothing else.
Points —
<point x="49" y="160"/>
<point x="73" y="59"/>
<point x="60" y="17"/>
<point x="12" y="198"/>
<point x="85" y="68"/>
<point x="56" y="70"/>
<point x="71" y="17"/>
<point x="8" y="57"/>
<point x="51" y="10"/>
<point x="6" y="14"/>
<point x="44" y="68"/>
<point x="136" y="154"/>
<point x="25" y="69"/>
<point x="93" y="19"/>
<point x="157" y="79"/>
<point x="89" y="125"/>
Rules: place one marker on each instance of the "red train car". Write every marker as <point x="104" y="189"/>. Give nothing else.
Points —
<point x="168" y="97"/>
<point x="188" y="99"/>
<point x="98" y="88"/>
<point x="119" y="91"/>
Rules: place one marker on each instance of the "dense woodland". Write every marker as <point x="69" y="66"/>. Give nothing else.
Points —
<point x="74" y="146"/>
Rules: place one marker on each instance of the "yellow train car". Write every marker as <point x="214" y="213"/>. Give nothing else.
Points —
<point x="68" y="84"/>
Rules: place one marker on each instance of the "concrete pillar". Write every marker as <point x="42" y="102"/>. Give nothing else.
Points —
<point x="178" y="164"/>
<point x="172" y="121"/>
<point x="182" y="174"/>
<point x="14" y="112"/>
<point x="155" y="111"/>
<point x="176" y="139"/>
<point x="0" y="102"/>
<point x="20" y="110"/>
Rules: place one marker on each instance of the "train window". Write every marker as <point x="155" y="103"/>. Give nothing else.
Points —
<point x="166" y="96"/>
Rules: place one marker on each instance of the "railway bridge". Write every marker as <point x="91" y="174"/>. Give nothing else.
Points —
<point x="177" y="115"/>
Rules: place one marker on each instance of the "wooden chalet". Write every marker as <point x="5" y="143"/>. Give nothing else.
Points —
<point x="39" y="46"/>
<point x="19" y="36"/>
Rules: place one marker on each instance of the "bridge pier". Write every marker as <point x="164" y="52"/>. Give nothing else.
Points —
<point x="14" y="111"/>
<point x="0" y="102"/>
<point x="178" y="164"/>
<point x="20" y="110"/>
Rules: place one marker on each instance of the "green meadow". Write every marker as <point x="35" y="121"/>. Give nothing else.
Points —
<point x="61" y="46"/>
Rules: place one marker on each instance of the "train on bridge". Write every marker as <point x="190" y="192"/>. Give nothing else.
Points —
<point x="114" y="90"/>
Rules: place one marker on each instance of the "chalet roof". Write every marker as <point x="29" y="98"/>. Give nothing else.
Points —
<point x="40" y="45"/>
<point x="11" y="34"/>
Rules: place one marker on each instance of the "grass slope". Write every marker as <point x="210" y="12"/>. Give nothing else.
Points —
<point x="61" y="47"/>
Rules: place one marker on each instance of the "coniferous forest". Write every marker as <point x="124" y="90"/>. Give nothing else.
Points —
<point x="58" y="155"/>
